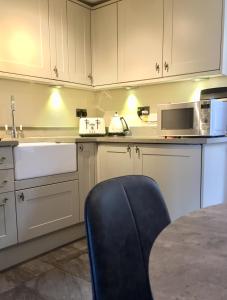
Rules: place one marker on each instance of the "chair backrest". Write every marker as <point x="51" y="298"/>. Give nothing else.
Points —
<point x="123" y="216"/>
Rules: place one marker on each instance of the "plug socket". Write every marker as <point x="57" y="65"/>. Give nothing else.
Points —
<point x="143" y="111"/>
<point x="81" y="113"/>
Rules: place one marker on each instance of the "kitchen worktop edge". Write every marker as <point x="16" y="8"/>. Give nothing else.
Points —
<point x="118" y="139"/>
<point x="8" y="143"/>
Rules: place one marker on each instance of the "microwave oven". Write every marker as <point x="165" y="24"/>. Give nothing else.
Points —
<point x="201" y="118"/>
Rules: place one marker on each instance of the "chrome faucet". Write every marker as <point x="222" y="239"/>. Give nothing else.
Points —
<point x="14" y="130"/>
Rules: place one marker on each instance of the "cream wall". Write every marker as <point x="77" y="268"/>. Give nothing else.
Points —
<point x="40" y="105"/>
<point x="125" y="102"/>
<point x="43" y="106"/>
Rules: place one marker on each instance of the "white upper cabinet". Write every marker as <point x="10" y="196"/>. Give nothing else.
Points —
<point x="79" y="43"/>
<point x="59" y="40"/>
<point x="104" y="44"/>
<point x="140" y="39"/>
<point x="193" y="36"/>
<point x="24" y="32"/>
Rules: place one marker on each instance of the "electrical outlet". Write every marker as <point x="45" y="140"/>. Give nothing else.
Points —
<point x="81" y="113"/>
<point x="143" y="111"/>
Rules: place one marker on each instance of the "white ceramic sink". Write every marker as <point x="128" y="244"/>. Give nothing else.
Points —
<point x="43" y="159"/>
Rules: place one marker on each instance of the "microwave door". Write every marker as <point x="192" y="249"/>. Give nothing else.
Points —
<point x="179" y="120"/>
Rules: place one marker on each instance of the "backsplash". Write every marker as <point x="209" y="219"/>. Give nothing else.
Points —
<point x="125" y="102"/>
<point x="52" y="110"/>
<point x="39" y="105"/>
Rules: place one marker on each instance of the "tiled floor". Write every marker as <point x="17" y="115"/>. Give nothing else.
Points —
<point x="62" y="274"/>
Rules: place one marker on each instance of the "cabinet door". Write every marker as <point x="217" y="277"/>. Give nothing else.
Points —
<point x="114" y="161"/>
<point x="140" y="39"/>
<point x="87" y="170"/>
<point x="177" y="170"/>
<point x="59" y="40"/>
<point x="79" y="43"/>
<point x="6" y="181"/>
<point x="192" y="39"/>
<point x="8" y="228"/>
<point x="6" y="157"/>
<point x="104" y="44"/>
<point x="47" y="208"/>
<point x="24" y="31"/>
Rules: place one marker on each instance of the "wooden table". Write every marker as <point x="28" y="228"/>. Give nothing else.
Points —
<point x="189" y="258"/>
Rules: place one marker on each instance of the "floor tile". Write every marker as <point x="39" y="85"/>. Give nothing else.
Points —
<point x="15" y="276"/>
<point x="21" y="293"/>
<point x="81" y="245"/>
<point x="59" y="285"/>
<point x="78" y="267"/>
<point x="36" y="267"/>
<point x="60" y="255"/>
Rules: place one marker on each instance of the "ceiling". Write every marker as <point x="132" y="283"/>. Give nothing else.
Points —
<point x="93" y="2"/>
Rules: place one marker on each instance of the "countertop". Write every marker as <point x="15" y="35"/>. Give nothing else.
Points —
<point x="8" y="143"/>
<point x="188" y="259"/>
<point x="117" y="139"/>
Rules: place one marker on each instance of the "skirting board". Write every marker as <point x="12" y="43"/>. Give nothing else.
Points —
<point x="21" y="252"/>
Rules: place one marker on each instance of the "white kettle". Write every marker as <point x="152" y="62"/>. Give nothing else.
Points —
<point x="118" y="125"/>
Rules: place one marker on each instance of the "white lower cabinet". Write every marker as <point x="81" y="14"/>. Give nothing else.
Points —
<point x="44" y="209"/>
<point x="176" y="169"/>
<point x="114" y="160"/>
<point x="8" y="227"/>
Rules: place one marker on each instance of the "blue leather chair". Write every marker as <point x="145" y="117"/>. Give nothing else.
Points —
<point x="123" y="216"/>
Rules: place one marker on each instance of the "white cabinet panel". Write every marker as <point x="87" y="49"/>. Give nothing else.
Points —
<point x="140" y="39"/>
<point x="177" y="170"/>
<point x="87" y="172"/>
<point x="114" y="161"/>
<point x="79" y="43"/>
<point x="214" y="171"/>
<point x="6" y="181"/>
<point x="44" y="209"/>
<point x="104" y="44"/>
<point x="8" y="228"/>
<point x="6" y="158"/>
<point x="193" y="36"/>
<point x="59" y="40"/>
<point x="24" y="32"/>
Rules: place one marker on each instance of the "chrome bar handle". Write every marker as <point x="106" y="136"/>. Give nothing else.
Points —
<point x="90" y="77"/>
<point x="2" y="160"/>
<point x="157" y="67"/>
<point x="4" y="202"/>
<point x="138" y="151"/>
<point x="56" y="71"/>
<point x="20" y="196"/>
<point x="166" y="66"/>
<point x="129" y="150"/>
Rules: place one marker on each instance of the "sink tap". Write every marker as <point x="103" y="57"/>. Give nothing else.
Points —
<point x="14" y="130"/>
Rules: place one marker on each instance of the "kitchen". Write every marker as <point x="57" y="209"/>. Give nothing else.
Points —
<point x="47" y="92"/>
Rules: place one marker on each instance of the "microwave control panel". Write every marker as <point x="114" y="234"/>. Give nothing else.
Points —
<point x="205" y="116"/>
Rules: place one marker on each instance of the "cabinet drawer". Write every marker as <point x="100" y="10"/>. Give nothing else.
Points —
<point x="44" y="209"/>
<point x="6" y="158"/>
<point x="6" y="181"/>
<point x="8" y="229"/>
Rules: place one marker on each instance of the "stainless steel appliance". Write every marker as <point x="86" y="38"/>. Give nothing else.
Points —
<point x="201" y="118"/>
<point x="92" y="127"/>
